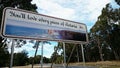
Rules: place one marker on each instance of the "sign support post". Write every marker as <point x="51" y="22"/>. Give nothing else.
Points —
<point x="37" y="46"/>
<point x="42" y="55"/>
<point x="83" y="57"/>
<point x="12" y="53"/>
<point x="70" y="55"/>
<point x="64" y="55"/>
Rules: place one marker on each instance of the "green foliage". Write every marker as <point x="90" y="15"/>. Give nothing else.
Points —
<point x="4" y="57"/>
<point x="58" y="58"/>
<point x="69" y="48"/>
<point x="21" y="59"/>
<point x="46" y="60"/>
<point x="4" y="54"/>
<point x="22" y="4"/>
<point x="38" y="58"/>
<point x="54" y="56"/>
<point x="105" y="33"/>
<point x="118" y="2"/>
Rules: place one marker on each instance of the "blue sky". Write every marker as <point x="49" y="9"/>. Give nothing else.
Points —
<point x="83" y="11"/>
<point x="47" y="48"/>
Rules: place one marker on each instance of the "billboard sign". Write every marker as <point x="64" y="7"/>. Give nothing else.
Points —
<point x="24" y="24"/>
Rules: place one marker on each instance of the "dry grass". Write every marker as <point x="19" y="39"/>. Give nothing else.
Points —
<point x="28" y="66"/>
<point x="109" y="64"/>
<point x="101" y="64"/>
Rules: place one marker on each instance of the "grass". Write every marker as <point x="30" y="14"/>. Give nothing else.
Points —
<point x="101" y="64"/>
<point x="109" y="64"/>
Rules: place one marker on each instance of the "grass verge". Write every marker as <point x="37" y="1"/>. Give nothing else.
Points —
<point x="100" y="64"/>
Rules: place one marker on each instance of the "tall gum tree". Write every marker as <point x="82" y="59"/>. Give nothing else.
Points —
<point x="106" y="31"/>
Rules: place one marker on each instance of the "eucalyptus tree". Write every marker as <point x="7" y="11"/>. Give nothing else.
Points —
<point x="105" y="32"/>
<point x="4" y="54"/>
<point x="69" y="47"/>
<point x="37" y="43"/>
<point x="118" y="2"/>
<point x="22" y="4"/>
<point x="21" y="58"/>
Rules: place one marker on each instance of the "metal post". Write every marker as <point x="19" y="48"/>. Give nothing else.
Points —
<point x="83" y="57"/>
<point x="12" y="53"/>
<point x="42" y="55"/>
<point x="64" y="55"/>
<point x="37" y="46"/>
<point x="70" y="56"/>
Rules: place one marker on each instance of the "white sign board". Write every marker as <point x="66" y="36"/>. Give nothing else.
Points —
<point x="19" y="23"/>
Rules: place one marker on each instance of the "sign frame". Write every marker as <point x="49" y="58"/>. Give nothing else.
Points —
<point x="3" y="27"/>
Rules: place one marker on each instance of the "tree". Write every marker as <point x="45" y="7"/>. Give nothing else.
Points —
<point x="68" y="48"/>
<point x="22" y="4"/>
<point x="21" y="59"/>
<point x="37" y="46"/>
<point x="105" y="32"/>
<point x="55" y="55"/>
<point x="46" y="60"/>
<point x="4" y="55"/>
<point x="118" y="2"/>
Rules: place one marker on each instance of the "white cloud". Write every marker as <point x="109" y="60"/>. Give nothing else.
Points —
<point x="85" y="11"/>
<point x="88" y="11"/>
<point x="53" y="9"/>
<point x="28" y="47"/>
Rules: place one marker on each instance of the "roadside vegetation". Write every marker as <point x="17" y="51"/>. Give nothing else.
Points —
<point x="99" y="64"/>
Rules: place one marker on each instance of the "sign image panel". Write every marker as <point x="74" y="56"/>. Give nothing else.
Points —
<point x="19" y="23"/>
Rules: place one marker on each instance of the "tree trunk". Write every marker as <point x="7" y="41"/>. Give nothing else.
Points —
<point x="115" y="54"/>
<point x="77" y="54"/>
<point x="100" y="50"/>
